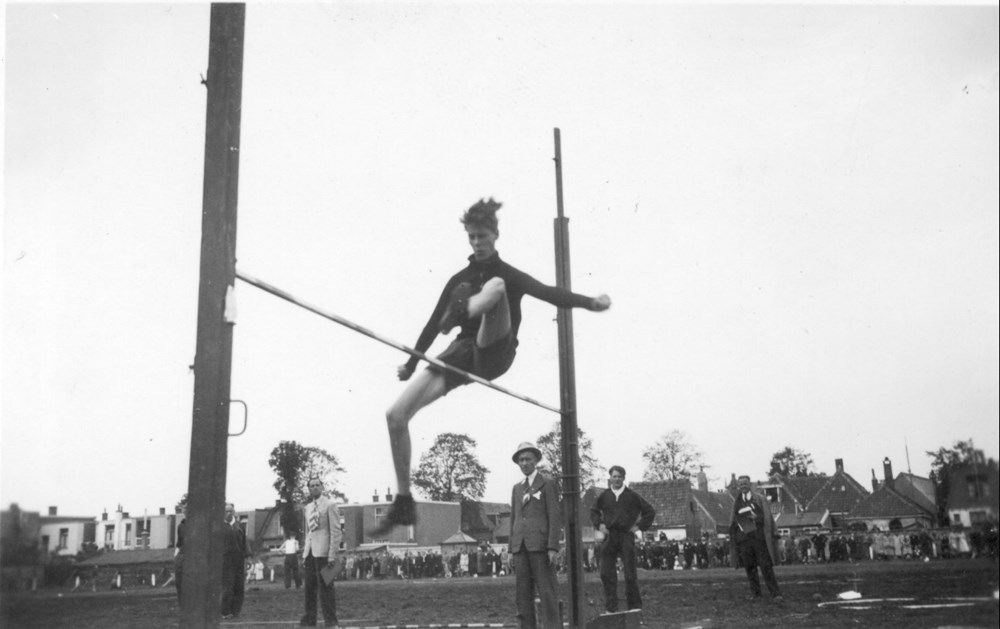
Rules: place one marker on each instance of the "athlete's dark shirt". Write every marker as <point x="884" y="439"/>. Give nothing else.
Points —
<point x="621" y="513"/>
<point x="518" y="285"/>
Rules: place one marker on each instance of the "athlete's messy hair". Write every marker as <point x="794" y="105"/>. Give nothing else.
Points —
<point x="483" y="214"/>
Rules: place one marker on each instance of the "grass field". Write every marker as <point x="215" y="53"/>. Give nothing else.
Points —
<point x="957" y="593"/>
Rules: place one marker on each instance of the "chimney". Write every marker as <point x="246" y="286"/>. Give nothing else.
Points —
<point x="887" y="469"/>
<point x="163" y="511"/>
<point x="104" y="516"/>
<point x="874" y="480"/>
<point x="839" y="465"/>
<point x="53" y="510"/>
<point x="388" y="495"/>
<point x="374" y="495"/>
<point x="702" y="480"/>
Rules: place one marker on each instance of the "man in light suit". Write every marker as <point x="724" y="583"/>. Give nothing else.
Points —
<point x="534" y="540"/>
<point x="322" y="543"/>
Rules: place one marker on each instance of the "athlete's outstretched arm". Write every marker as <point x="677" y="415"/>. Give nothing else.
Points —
<point x="561" y="297"/>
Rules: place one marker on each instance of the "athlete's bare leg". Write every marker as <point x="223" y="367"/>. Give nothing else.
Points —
<point x="425" y="387"/>
<point x="492" y="306"/>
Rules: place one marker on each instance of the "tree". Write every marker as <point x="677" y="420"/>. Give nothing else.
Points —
<point x="792" y="462"/>
<point x="944" y="461"/>
<point x="294" y="465"/>
<point x="182" y="504"/>
<point x="450" y="470"/>
<point x="672" y="457"/>
<point x="551" y="446"/>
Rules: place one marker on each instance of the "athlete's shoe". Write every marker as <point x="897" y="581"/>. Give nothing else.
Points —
<point x="457" y="310"/>
<point x="402" y="513"/>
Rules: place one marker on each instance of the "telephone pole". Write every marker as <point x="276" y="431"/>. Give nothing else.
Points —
<point x="201" y="586"/>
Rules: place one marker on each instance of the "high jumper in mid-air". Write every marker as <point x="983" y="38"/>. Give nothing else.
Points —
<point x="483" y="301"/>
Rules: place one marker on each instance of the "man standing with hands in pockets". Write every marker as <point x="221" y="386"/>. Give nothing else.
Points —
<point x="618" y="513"/>
<point x="319" y="550"/>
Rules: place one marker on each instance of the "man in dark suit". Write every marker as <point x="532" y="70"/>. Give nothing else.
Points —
<point x="534" y="540"/>
<point x="234" y="555"/>
<point x="618" y="514"/>
<point x="751" y="536"/>
<point x="322" y="543"/>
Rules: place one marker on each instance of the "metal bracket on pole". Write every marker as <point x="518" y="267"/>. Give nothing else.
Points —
<point x="246" y="417"/>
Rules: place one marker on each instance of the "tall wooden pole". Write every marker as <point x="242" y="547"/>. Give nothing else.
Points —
<point x="201" y="586"/>
<point x="570" y="434"/>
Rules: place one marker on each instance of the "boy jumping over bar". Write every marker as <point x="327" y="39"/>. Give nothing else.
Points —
<point x="483" y="300"/>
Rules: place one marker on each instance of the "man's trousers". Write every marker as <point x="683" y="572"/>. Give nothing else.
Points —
<point x="533" y="570"/>
<point x="291" y="566"/>
<point x="619" y="543"/>
<point x="753" y="554"/>
<point x="316" y="587"/>
<point x="234" y="577"/>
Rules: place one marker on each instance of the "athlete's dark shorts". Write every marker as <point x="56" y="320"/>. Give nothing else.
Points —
<point x="486" y="362"/>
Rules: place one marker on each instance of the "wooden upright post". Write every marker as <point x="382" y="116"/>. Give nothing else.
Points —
<point x="201" y="586"/>
<point x="570" y="434"/>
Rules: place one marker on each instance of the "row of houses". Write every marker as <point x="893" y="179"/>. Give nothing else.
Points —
<point x="837" y="501"/>
<point x="800" y="505"/>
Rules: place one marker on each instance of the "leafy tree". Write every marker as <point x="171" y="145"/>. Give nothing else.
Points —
<point x="450" y="470"/>
<point x="551" y="446"/>
<point x="944" y="461"/>
<point x="182" y="504"/>
<point x="792" y="462"/>
<point x="294" y="464"/>
<point x="672" y="457"/>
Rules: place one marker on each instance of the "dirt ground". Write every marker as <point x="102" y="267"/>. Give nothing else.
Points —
<point x="957" y="593"/>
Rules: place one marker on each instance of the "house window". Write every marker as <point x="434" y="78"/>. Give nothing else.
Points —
<point x="109" y="536"/>
<point x="977" y="517"/>
<point x="45" y="542"/>
<point x="128" y="534"/>
<point x="380" y="515"/>
<point x="978" y="488"/>
<point x="63" y="539"/>
<point x="773" y="494"/>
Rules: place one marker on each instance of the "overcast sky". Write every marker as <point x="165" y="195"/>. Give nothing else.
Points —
<point x="793" y="209"/>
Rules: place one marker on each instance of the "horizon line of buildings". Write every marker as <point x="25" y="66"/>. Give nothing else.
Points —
<point x="805" y="504"/>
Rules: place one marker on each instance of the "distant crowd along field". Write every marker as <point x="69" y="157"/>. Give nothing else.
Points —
<point x="494" y="560"/>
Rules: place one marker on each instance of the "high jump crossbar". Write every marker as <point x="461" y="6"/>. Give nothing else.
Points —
<point x="277" y="292"/>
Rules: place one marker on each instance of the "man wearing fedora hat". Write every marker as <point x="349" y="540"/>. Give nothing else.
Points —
<point x="534" y="540"/>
